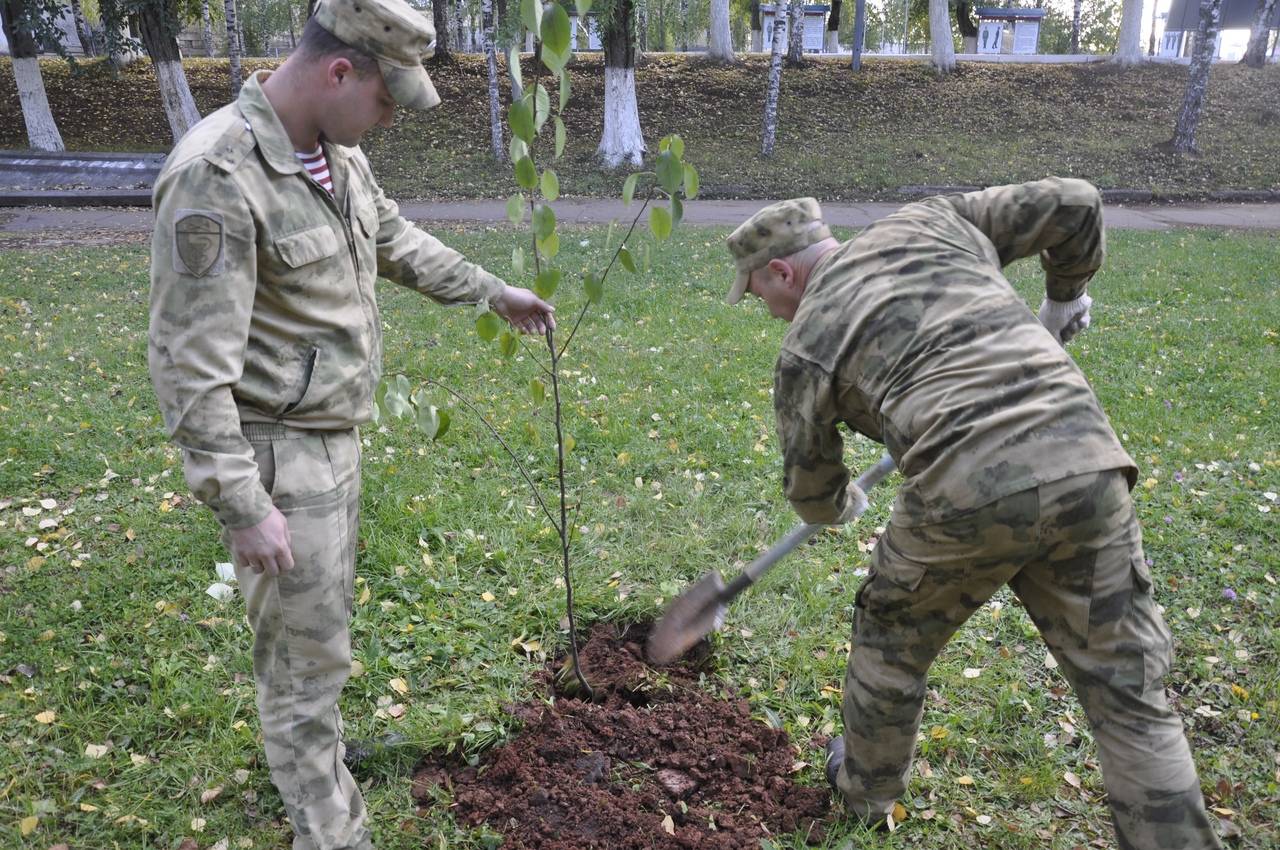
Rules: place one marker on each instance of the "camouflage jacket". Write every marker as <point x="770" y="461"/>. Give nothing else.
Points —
<point x="910" y="335"/>
<point x="262" y="293"/>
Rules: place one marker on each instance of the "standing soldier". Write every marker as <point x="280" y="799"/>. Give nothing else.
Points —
<point x="265" y="346"/>
<point x="910" y="335"/>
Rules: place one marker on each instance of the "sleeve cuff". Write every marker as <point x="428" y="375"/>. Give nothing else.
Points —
<point x="245" y="508"/>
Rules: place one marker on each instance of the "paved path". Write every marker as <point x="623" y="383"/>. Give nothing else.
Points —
<point x="1262" y="216"/>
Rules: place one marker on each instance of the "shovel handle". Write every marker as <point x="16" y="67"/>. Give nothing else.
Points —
<point x="802" y="532"/>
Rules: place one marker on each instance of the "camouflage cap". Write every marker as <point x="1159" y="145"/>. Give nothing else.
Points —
<point x="395" y="34"/>
<point x="778" y="230"/>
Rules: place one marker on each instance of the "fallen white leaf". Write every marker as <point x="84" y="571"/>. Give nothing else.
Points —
<point x="226" y="572"/>
<point x="221" y="592"/>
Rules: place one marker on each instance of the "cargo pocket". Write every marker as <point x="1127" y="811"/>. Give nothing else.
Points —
<point x="1156" y="639"/>
<point x="264" y="456"/>
<point x="307" y="246"/>
<point x="892" y="583"/>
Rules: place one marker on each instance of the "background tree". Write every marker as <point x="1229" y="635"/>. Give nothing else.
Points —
<point x="206" y="27"/>
<point x="1075" y="25"/>
<point x="720" y="39"/>
<point x="859" y="33"/>
<point x="621" y="140"/>
<point x="832" y="42"/>
<point x="83" y="33"/>
<point x="158" y="23"/>
<point x="234" y="48"/>
<point x="1129" y="42"/>
<point x="491" y="64"/>
<point x="26" y="24"/>
<point x="942" y="47"/>
<point x="1184" y="133"/>
<point x="965" y="25"/>
<point x="771" y="97"/>
<point x="440" y="17"/>
<point x="795" y="31"/>
<point x="1255" y="55"/>
<point x="757" y="28"/>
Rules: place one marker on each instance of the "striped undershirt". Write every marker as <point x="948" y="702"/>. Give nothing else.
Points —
<point x="317" y="166"/>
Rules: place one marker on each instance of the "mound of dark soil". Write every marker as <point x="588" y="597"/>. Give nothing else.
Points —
<point x="654" y="761"/>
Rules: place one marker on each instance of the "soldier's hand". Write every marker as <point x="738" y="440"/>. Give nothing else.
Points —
<point x="265" y="547"/>
<point x="525" y="311"/>
<point x="1065" y="319"/>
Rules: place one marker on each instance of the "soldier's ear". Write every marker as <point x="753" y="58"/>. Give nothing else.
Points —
<point x="783" y="270"/>
<point x="338" y="69"/>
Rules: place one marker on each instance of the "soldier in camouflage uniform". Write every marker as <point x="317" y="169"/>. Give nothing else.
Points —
<point x="265" y="345"/>
<point x="910" y="335"/>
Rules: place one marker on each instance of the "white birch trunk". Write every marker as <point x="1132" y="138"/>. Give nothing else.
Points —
<point x="491" y="60"/>
<point x="83" y="33"/>
<point x="1184" y="133"/>
<point x="684" y="26"/>
<point x="622" y="140"/>
<point x="1255" y="55"/>
<point x="175" y="96"/>
<point x="42" y="130"/>
<point x="795" y="32"/>
<point x="1129" y="44"/>
<point x="233" y="47"/>
<point x="642" y="24"/>
<point x="720" y="42"/>
<point x="206" y="27"/>
<point x="833" y="42"/>
<point x="942" y="47"/>
<point x="771" y="99"/>
<point x="1075" y="25"/>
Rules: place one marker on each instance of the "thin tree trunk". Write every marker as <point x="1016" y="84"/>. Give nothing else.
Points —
<point x="459" y="28"/>
<point x="1255" y="55"/>
<point x="83" y="33"/>
<point x="771" y="98"/>
<point x="833" y="28"/>
<point x="859" y="33"/>
<point x="42" y="130"/>
<point x="621" y="140"/>
<point x="1075" y="26"/>
<point x="941" y="44"/>
<point x="491" y="61"/>
<point x="1184" y="133"/>
<point x="158" y="22"/>
<point x="757" y="28"/>
<point x="1129" y="44"/>
<point x="795" y="33"/>
<point x="642" y="17"/>
<point x="206" y="28"/>
<point x="720" y="41"/>
<point x="1151" y="37"/>
<point x="684" y="26"/>
<point x="233" y="47"/>
<point x="440" y="17"/>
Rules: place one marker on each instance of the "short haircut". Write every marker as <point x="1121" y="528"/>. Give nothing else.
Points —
<point x="318" y="43"/>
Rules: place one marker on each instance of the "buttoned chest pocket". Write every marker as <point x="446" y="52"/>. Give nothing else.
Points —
<point x="305" y="248"/>
<point x="364" y="230"/>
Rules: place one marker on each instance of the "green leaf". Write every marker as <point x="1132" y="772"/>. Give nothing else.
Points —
<point x="550" y="246"/>
<point x="526" y="173"/>
<point x="544" y="220"/>
<point x="584" y="6"/>
<point x="677" y="212"/>
<point x="691" y="182"/>
<point x="660" y="222"/>
<point x="670" y="172"/>
<point x="550" y="185"/>
<point x="517" y="148"/>
<point x="532" y="433"/>
<point x="488" y="325"/>
<point x="402" y="386"/>
<point x="517" y="261"/>
<point x="445" y="421"/>
<point x="507" y="343"/>
<point x="428" y="419"/>
<point x="554" y="61"/>
<point x="520" y="117"/>
<point x="515" y="208"/>
<point x="538" y="391"/>
<point x="546" y="283"/>
<point x="675" y="144"/>
<point x="628" y="262"/>
<point x="531" y="15"/>
<point x="513" y="62"/>
<point x="564" y="90"/>
<point x="629" y="188"/>
<point x="396" y="403"/>
<point x="542" y="110"/>
<point x="593" y="286"/>
<point x="561" y="137"/>
<point x="555" y="29"/>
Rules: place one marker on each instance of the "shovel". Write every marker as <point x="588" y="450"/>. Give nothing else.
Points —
<point x="700" y="610"/>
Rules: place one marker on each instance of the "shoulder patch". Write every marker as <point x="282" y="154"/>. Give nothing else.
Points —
<point x="198" y="242"/>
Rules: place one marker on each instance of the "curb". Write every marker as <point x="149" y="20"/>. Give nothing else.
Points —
<point x="77" y="198"/>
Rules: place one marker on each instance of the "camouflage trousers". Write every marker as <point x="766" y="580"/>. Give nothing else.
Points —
<point x="301" y="637"/>
<point x="1072" y="552"/>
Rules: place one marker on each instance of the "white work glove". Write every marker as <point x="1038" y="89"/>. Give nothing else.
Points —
<point x="855" y="503"/>
<point x="1065" y="319"/>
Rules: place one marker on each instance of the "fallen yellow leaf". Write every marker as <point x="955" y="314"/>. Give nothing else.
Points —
<point x="487" y="596"/>
<point x="899" y="812"/>
<point x="400" y="686"/>
<point x="46" y="717"/>
<point x="96" y="751"/>
<point x="88" y="807"/>
<point x="364" y="595"/>
<point x="669" y="825"/>
<point x="964" y="780"/>
<point x="28" y="825"/>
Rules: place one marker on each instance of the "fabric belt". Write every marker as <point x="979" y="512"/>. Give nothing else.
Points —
<point x="263" y="431"/>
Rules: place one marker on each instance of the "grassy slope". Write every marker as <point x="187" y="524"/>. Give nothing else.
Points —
<point x="841" y="135"/>
<point x="670" y="410"/>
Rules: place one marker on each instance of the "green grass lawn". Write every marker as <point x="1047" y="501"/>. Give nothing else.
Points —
<point x="126" y="695"/>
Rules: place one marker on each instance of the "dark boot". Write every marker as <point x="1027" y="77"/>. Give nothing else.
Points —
<point x="835" y="758"/>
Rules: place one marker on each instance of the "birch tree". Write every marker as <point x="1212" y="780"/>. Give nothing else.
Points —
<point x="942" y="48"/>
<point x="1184" y="133"/>
<point x="491" y="62"/>
<point x="83" y="33"/>
<point x="23" y="24"/>
<point x="720" y="46"/>
<point x="859" y="33"/>
<point x="621" y="140"/>
<point x="1075" y="25"/>
<point x="159" y="24"/>
<point x="757" y="29"/>
<point x="1129" y="43"/>
<point x="795" y="32"/>
<point x="771" y="98"/>
<point x="1255" y="55"/>
<point x="832" y="43"/>
<point x="206" y="27"/>
<point x="234" y="47"/>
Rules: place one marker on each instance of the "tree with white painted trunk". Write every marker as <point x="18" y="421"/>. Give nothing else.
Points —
<point x="832" y="43"/>
<point x="159" y="24"/>
<point x="206" y="27"/>
<point x="771" y="97"/>
<point x="234" y="47"/>
<point x="83" y="33"/>
<point x="1076" y="8"/>
<point x="1255" y="55"/>
<point x="1184" y="133"/>
<point x="942" y="48"/>
<point x="491" y="63"/>
<point x="24" y="24"/>
<point x="720" y="46"/>
<point x="757" y="28"/>
<point x="621" y="141"/>
<point x="1129" y="42"/>
<point x="795" y="32"/>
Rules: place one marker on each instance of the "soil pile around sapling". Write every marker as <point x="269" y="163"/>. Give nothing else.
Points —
<point x="654" y="761"/>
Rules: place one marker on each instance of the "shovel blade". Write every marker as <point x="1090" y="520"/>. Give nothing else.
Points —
<point x="689" y="618"/>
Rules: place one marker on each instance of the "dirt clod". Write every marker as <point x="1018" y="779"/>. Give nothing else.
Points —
<point x="656" y="761"/>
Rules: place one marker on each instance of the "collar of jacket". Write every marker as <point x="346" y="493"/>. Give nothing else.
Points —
<point x="268" y="132"/>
